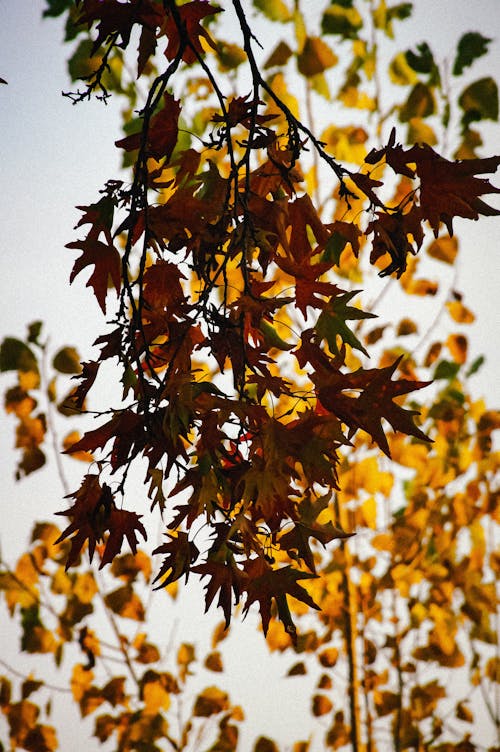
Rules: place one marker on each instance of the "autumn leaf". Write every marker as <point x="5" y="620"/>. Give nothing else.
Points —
<point x="374" y="403"/>
<point x="93" y="513"/>
<point x="189" y="19"/>
<point x="265" y="585"/>
<point x="181" y="553"/>
<point x="332" y="320"/>
<point x="105" y="259"/>
<point x="307" y="526"/>
<point x="161" y="136"/>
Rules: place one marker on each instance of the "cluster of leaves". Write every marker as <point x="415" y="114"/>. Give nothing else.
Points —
<point x="223" y="271"/>
<point x="244" y="383"/>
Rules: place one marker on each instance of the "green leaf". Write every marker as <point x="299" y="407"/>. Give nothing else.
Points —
<point x="81" y="64"/>
<point x="342" y="19"/>
<point x="332" y="322"/>
<point x="446" y="369"/>
<point x="67" y="360"/>
<point x="420" y="103"/>
<point x="17" y="356"/>
<point x="334" y="247"/>
<point x="383" y="16"/>
<point x="476" y="365"/>
<point x="479" y="101"/>
<point x="471" y="46"/>
<point x="421" y="61"/>
<point x="56" y="8"/>
<point x="34" y="331"/>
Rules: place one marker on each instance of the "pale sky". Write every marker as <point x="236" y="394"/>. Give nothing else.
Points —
<point x="54" y="156"/>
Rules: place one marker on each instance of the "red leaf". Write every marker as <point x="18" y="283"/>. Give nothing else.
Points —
<point x="121" y="524"/>
<point x="92" y="505"/>
<point x="181" y="552"/>
<point x="374" y="403"/>
<point x="162" y="134"/>
<point x="93" y="513"/>
<point x="106" y="260"/>
<point x="190" y="16"/>
<point x="225" y="579"/>
<point x="265" y="584"/>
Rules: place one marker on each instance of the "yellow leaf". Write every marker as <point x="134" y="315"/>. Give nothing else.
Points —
<point x="464" y="713"/>
<point x="213" y="661"/>
<point x="125" y="602"/>
<point x="29" y="380"/>
<point x="328" y="657"/>
<point x="369" y="510"/>
<point x="493" y="669"/>
<point x="81" y="681"/>
<point x="400" y="72"/>
<point x="277" y="638"/>
<point x="459" y="312"/>
<point x="220" y="633"/>
<point x="347" y="143"/>
<point x="353" y="97"/>
<point x="406" y="326"/>
<point x="316" y="56"/>
<point x="444" y="629"/>
<point x="420" y="132"/>
<point x="280" y="88"/>
<point x="85" y="587"/>
<point x="444" y="249"/>
<point x="68" y="441"/>
<point x="457" y="345"/>
<point x="155" y="697"/>
<point x="478" y="545"/>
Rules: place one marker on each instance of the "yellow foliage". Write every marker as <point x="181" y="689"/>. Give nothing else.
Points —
<point x="85" y="587"/>
<point x="155" y="697"/>
<point x="81" y="681"/>
<point x="444" y="628"/>
<point x="459" y="312"/>
<point x="277" y="638"/>
<point x="404" y="577"/>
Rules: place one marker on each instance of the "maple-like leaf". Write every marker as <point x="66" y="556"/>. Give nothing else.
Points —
<point x="374" y="403"/>
<point x="124" y="428"/>
<point x="307" y="286"/>
<point x="93" y="513"/>
<point x="121" y="524"/>
<point x="266" y="584"/>
<point x="331" y="322"/>
<point x="395" y="233"/>
<point x="447" y="189"/>
<point x="162" y="133"/>
<point x="450" y="189"/>
<point x="307" y="526"/>
<point x="107" y="266"/>
<point x="181" y="552"/>
<point x="190" y="16"/>
<point x="225" y="578"/>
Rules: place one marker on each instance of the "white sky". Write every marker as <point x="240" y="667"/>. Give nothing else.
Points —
<point x="54" y="156"/>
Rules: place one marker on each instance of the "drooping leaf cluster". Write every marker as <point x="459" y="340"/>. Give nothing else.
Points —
<point x="233" y="343"/>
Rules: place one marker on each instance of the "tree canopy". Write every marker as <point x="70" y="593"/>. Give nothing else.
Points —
<point x="288" y="452"/>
